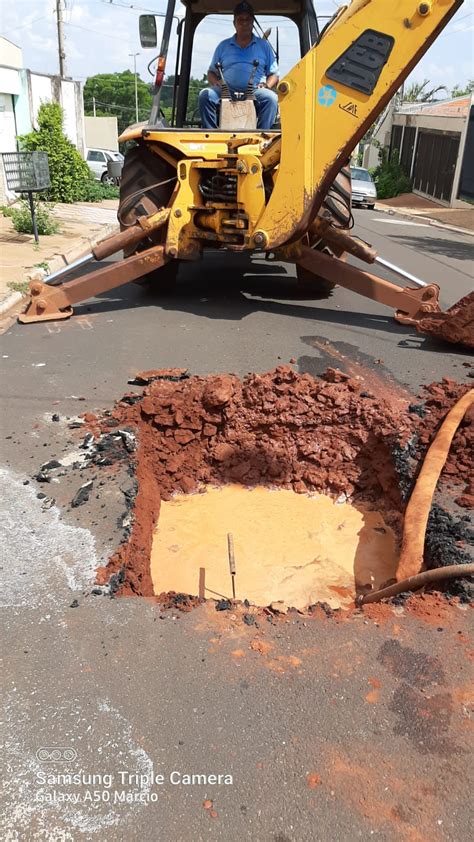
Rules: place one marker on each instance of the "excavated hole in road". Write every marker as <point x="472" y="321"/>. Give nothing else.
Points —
<point x="309" y="475"/>
<point x="288" y="548"/>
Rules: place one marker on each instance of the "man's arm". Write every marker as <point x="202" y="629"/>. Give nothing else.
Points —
<point x="271" y="68"/>
<point x="272" y="81"/>
<point x="213" y="79"/>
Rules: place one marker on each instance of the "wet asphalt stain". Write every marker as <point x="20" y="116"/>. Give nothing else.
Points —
<point x="424" y="720"/>
<point x="415" y="668"/>
<point x="423" y="714"/>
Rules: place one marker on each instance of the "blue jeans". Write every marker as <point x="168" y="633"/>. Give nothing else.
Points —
<point x="266" y="106"/>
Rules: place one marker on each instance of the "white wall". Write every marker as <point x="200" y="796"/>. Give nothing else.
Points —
<point x="9" y="81"/>
<point x="68" y="103"/>
<point x="7" y="140"/>
<point x="101" y="132"/>
<point x="41" y="91"/>
<point x="7" y="124"/>
<point x="10" y="54"/>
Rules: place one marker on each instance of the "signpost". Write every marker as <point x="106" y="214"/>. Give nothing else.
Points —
<point x="27" y="172"/>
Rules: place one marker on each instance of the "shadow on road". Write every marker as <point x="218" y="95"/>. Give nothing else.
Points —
<point x="436" y="245"/>
<point x="231" y="290"/>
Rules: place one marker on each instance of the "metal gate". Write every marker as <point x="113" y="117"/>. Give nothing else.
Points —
<point x="435" y="164"/>
<point x="395" y="140"/>
<point x="406" y="158"/>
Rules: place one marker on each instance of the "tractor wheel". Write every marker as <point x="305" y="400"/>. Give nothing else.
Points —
<point x="161" y="280"/>
<point x="337" y="202"/>
<point x="139" y="196"/>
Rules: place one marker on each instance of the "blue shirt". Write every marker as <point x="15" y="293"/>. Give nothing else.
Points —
<point x="237" y="62"/>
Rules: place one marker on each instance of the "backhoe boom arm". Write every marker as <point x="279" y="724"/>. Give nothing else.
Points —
<point x="332" y="96"/>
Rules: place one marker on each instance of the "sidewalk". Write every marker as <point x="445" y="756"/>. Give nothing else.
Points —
<point x="409" y="204"/>
<point x="82" y="225"/>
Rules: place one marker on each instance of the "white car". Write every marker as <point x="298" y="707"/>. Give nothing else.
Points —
<point x="364" y="191"/>
<point x="97" y="161"/>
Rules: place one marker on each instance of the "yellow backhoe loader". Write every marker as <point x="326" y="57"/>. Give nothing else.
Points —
<point x="283" y="192"/>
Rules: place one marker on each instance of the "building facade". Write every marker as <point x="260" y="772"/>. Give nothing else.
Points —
<point x="22" y="91"/>
<point x="435" y="141"/>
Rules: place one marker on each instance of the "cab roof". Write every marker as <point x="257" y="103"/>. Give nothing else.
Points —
<point x="261" y="7"/>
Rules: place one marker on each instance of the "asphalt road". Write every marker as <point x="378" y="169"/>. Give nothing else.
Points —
<point x="340" y="730"/>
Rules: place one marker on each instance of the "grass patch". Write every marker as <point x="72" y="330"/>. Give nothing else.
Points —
<point x="19" y="286"/>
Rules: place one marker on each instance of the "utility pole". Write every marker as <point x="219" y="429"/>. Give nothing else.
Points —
<point x="93" y="106"/>
<point x="134" y="56"/>
<point x="61" y="50"/>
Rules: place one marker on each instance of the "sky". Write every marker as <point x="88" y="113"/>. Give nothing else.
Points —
<point x="102" y="36"/>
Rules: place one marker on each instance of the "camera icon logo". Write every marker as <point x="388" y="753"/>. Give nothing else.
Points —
<point x="56" y="754"/>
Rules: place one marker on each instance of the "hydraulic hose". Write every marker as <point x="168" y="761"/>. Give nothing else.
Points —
<point x="413" y="582"/>
<point x="418" y="509"/>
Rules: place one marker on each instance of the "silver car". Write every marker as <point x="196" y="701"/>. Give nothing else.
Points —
<point x="97" y="161"/>
<point x="364" y="191"/>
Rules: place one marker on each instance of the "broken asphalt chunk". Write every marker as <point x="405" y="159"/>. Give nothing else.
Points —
<point x="51" y="465"/>
<point x="82" y="495"/>
<point x="129" y="440"/>
<point x="223" y="605"/>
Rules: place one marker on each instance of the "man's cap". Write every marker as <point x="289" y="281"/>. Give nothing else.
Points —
<point x="244" y="8"/>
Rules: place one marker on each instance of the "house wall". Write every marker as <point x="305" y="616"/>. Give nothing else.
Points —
<point x="22" y="92"/>
<point x="10" y="54"/>
<point x="101" y="132"/>
<point x="439" y="124"/>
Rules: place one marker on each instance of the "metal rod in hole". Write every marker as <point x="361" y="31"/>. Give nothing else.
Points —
<point x="401" y="272"/>
<point x="230" y="550"/>
<point x="69" y="268"/>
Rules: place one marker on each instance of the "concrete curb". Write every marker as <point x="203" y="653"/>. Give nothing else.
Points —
<point x="427" y="219"/>
<point x="59" y="261"/>
<point x="10" y="302"/>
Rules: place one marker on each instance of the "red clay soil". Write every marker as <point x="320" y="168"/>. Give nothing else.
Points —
<point x="455" y="326"/>
<point x="459" y="469"/>
<point x="280" y="428"/>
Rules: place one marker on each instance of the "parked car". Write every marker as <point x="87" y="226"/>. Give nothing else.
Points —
<point x="97" y="161"/>
<point x="364" y="191"/>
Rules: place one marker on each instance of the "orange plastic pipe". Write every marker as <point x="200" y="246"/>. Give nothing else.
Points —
<point x="418" y="509"/>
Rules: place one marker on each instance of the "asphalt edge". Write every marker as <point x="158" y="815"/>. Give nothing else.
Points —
<point x="428" y="219"/>
<point x="59" y="261"/>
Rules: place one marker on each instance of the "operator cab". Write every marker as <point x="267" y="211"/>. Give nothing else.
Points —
<point x="296" y="20"/>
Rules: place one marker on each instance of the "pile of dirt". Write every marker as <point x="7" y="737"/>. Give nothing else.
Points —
<point x="456" y="325"/>
<point x="280" y="429"/>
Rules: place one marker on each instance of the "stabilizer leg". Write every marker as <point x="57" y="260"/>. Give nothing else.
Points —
<point x="49" y="303"/>
<point x="409" y="304"/>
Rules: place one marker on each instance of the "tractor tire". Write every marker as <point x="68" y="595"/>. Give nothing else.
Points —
<point x="161" y="280"/>
<point x="141" y="170"/>
<point x="337" y="203"/>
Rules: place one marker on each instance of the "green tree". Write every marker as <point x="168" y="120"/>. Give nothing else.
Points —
<point x="460" y="91"/>
<point x="417" y="92"/>
<point x="69" y="173"/>
<point x="114" y="95"/>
